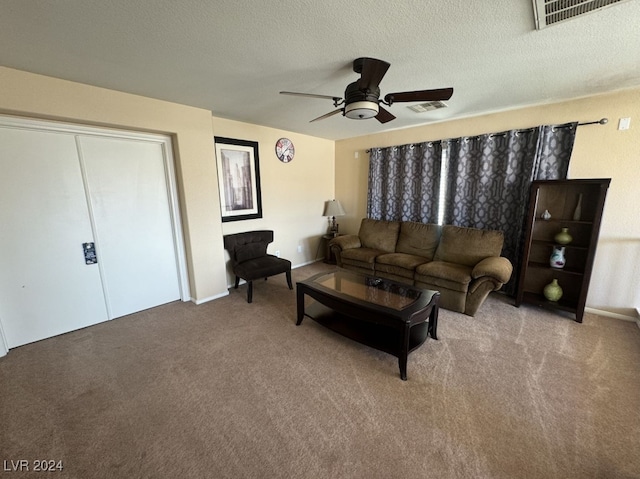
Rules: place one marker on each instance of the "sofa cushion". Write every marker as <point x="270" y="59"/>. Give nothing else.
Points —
<point x="379" y="235"/>
<point x="468" y="246"/>
<point x="448" y="275"/>
<point x="418" y="239"/>
<point x="361" y="255"/>
<point x="399" y="264"/>
<point x="408" y="261"/>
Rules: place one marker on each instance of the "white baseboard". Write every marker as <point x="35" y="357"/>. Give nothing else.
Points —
<point x="609" y="314"/>
<point x="210" y="298"/>
<point x="307" y="263"/>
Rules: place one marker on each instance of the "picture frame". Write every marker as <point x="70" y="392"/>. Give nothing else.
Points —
<point x="238" y="179"/>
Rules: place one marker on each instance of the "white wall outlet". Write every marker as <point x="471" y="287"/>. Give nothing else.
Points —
<point x="278" y="253"/>
<point x="624" y="123"/>
<point x="299" y="248"/>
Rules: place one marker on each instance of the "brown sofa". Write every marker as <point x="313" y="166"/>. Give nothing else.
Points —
<point x="464" y="264"/>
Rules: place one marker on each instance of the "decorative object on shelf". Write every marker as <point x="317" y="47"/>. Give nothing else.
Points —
<point x="285" y="150"/>
<point x="546" y="215"/>
<point x="563" y="237"/>
<point x="557" y="259"/>
<point x="577" y="213"/>
<point x="553" y="291"/>
<point x="332" y="209"/>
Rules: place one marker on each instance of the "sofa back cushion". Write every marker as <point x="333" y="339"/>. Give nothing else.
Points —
<point x="468" y="246"/>
<point x="418" y="239"/>
<point x="379" y="234"/>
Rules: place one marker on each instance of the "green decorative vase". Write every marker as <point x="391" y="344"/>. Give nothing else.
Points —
<point x="563" y="237"/>
<point x="553" y="291"/>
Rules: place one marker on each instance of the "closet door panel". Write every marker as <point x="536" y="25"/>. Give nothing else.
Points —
<point x="46" y="288"/>
<point x="130" y="204"/>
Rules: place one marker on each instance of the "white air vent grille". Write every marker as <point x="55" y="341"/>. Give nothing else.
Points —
<point x="549" y="12"/>
<point x="429" y="106"/>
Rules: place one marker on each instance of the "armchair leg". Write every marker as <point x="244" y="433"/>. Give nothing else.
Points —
<point x="249" y="291"/>
<point x="288" y="273"/>
<point x="237" y="282"/>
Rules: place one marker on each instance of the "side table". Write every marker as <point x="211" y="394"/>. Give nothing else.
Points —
<point x="329" y="257"/>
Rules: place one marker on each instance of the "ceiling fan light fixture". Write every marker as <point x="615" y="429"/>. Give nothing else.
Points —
<point x="361" y="110"/>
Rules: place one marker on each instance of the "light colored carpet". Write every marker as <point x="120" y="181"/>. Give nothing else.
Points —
<point x="235" y="390"/>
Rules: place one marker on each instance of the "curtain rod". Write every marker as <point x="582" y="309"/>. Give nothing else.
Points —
<point x="601" y="121"/>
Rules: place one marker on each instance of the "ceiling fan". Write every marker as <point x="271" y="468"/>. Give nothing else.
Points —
<point x="362" y="97"/>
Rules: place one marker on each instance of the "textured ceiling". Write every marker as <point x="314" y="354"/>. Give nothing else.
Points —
<point x="233" y="56"/>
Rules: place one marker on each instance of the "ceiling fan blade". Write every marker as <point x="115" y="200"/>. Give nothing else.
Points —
<point x="420" y="95"/>
<point x="327" y="115"/>
<point x="373" y="71"/>
<point x="311" y="95"/>
<point x="384" y="116"/>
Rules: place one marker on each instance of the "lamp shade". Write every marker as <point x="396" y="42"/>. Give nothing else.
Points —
<point x="333" y="208"/>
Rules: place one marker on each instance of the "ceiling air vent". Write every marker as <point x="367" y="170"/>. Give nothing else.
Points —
<point x="429" y="106"/>
<point x="549" y="12"/>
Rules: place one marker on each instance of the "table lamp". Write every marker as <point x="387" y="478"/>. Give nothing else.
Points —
<point x="333" y="208"/>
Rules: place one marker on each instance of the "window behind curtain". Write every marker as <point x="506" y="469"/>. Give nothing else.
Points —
<point x="479" y="182"/>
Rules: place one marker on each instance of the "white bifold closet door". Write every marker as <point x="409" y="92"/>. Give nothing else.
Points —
<point x="45" y="286"/>
<point x="127" y="187"/>
<point x="59" y="190"/>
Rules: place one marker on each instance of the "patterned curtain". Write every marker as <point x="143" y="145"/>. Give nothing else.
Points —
<point x="489" y="176"/>
<point x="404" y="182"/>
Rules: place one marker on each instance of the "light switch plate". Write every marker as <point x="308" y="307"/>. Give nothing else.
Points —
<point x="624" y="123"/>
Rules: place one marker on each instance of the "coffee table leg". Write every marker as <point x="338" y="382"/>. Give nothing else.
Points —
<point x="404" y="353"/>
<point x="300" y="303"/>
<point x="402" y="362"/>
<point x="433" y="322"/>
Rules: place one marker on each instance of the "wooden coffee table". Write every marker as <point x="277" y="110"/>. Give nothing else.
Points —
<point x="380" y="313"/>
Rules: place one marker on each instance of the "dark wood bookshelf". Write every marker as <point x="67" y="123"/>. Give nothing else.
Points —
<point x="560" y="198"/>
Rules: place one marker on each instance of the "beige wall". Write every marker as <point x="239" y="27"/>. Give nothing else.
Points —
<point x="39" y="96"/>
<point x="599" y="152"/>
<point x="293" y="194"/>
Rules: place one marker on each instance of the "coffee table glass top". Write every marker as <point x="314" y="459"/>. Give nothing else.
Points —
<point x="373" y="290"/>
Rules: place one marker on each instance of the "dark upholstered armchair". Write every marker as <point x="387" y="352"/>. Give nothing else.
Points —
<point x="249" y="258"/>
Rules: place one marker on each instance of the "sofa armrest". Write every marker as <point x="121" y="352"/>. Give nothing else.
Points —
<point x="496" y="267"/>
<point x="345" y="242"/>
<point x="341" y="243"/>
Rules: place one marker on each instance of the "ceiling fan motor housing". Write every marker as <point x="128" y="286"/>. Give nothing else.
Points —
<point x="360" y="104"/>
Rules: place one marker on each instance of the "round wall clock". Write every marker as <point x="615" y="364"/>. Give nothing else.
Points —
<point x="285" y="150"/>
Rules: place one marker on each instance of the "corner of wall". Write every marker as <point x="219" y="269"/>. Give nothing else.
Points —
<point x="4" y="347"/>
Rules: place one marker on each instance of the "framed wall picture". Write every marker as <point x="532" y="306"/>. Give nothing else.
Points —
<point x="238" y="179"/>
